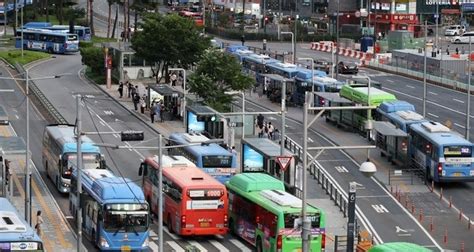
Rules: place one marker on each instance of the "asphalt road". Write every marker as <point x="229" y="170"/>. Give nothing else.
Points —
<point x="99" y="113"/>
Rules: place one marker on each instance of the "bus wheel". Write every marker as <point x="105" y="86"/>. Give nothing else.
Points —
<point x="231" y="226"/>
<point x="50" y="50"/>
<point x="259" y="244"/>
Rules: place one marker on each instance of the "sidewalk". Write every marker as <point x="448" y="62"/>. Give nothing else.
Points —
<point x="335" y="221"/>
<point x="57" y="235"/>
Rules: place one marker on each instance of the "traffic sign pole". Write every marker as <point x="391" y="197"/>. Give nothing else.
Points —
<point x="284" y="162"/>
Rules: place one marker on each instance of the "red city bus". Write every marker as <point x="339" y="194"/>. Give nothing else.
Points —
<point x="194" y="202"/>
<point x="196" y="16"/>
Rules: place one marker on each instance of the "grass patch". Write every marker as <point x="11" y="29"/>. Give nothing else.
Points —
<point x="98" y="79"/>
<point x="96" y="39"/>
<point x="52" y="19"/>
<point x="7" y="41"/>
<point x="13" y="56"/>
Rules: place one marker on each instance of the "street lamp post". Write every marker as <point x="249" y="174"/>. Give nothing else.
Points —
<point x="79" y="172"/>
<point x="292" y="44"/>
<point x="337" y="38"/>
<point x="424" y="69"/>
<point x="183" y="105"/>
<point x="243" y="109"/>
<point x="283" y="122"/>
<point x="27" y="155"/>
<point x="468" y="108"/>
<point x="437" y="17"/>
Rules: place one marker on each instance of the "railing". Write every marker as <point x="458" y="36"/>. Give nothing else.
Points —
<point x="41" y="100"/>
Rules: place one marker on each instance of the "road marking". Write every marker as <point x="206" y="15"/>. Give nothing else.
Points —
<point x="153" y="246"/>
<point x="310" y="140"/>
<point x="220" y="237"/>
<point x="115" y="135"/>
<point x="380" y="208"/>
<point x="272" y="118"/>
<point x="433" y="115"/>
<point x="174" y="246"/>
<point x="239" y="245"/>
<point x="173" y="236"/>
<point x="433" y="93"/>
<point x="250" y="109"/>
<point x="391" y="81"/>
<point x="108" y="112"/>
<point x="17" y="117"/>
<point x="459" y="125"/>
<point x="341" y="168"/>
<point x="454" y="99"/>
<point x="69" y="217"/>
<point x="198" y="246"/>
<point x="399" y="229"/>
<point x="101" y="123"/>
<point x="410" y="86"/>
<point x="219" y="246"/>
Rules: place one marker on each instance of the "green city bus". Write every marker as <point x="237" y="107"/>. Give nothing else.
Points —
<point x="358" y="95"/>
<point x="398" y="246"/>
<point x="263" y="214"/>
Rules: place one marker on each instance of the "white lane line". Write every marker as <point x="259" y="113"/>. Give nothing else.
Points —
<point x="198" y="246"/>
<point x="310" y="140"/>
<point x="153" y="246"/>
<point x="219" y="246"/>
<point x="239" y="245"/>
<point x="459" y="125"/>
<point x="433" y="93"/>
<point x="17" y="117"/>
<point x="101" y="123"/>
<point x="220" y="237"/>
<point x="410" y="86"/>
<point x="391" y="81"/>
<point x="174" y="246"/>
<point x="173" y="236"/>
<point x="433" y="115"/>
<point x="456" y="100"/>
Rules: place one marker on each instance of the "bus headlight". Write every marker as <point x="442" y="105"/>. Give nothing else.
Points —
<point x="65" y="185"/>
<point x="146" y="243"/>
<point x="103" y="242"/>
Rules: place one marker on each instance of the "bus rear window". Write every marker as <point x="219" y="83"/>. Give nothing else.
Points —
<point x="72" y="38"/>
<point x="88" y="31"/>
<point x="457" y="151"/>
<point x="217" y="161"/>
<point x="292" y="220"/>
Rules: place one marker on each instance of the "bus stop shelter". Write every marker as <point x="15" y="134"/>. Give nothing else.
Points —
<point x="171" y="98"/>
<point x="344" y="118"/>
<point x="11" y="148"/>
<point x="273" y="85"/>
<point x="260" y="155"/>
<point x="392" y="142"/>
<point x="204" y="119"/>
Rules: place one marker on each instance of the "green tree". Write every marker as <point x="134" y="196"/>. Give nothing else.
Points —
<point x="93" y="58"/>
<point x="218" y="73"/>
<point x="169" y="41"/>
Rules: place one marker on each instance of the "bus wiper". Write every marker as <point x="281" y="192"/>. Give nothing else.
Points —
<point x="118" y="229"/>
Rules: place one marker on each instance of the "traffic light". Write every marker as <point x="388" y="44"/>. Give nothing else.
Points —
<point x="266" y="20"/>
<point x="206" y="118"/>
<point x="132" y="136"/>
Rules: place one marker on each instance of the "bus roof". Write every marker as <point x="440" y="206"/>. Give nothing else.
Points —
<point x="210" y="149"/>
<point x="267" y="192"/>
<point x="16" y="229"/>
<point x="260" y="58"/>
<point x="305" y="74"/>
<point x="439" y="134"/>
<point x="37" y="25"/>
<point x="394" y="106"/>
<point x="191" y="177"/>
<point x="285" y="67"/>
<point x="405" y="118"/>
<point x="359" y="95"/>
<point x="233" y="48"/>
<point x="106" y="188"/>
<point x="398" y="246"/>
<point x="64" y="134"/>
<point x="172" y="161"/>
<point x="44" y="31"/>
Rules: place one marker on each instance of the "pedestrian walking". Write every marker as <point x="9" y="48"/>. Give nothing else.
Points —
<point x="260" y="119"/>
<point x="130" y="87"/>
<point x="136" y="100"/>
<point x="158" y="110"/>
<point x="270" y="130"/>
<point x="120" y="89"/>
<point x="142" y="105"/>
<point x="173" y="78"/>
<point x="162" y="110"/>
<point x="276" y="135"/>
<point x="152" y="112"/>
<point x="137" y="90"/>
<point x="39" y="222"/>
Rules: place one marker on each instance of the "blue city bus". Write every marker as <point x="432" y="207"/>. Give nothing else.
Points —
<point x="240" y="53"/>
<point x="400" y="113"/>
<point x="47" y="41"/>
<point x="321" y="82"/>
<point x="114" y="210"/>
<point x="233" y="48"/>
<point x="60" y="154"/>
<point x="15" y="232"/>
<point x="444" y="155"/>
<point x="212" y="158"/>
<point x="256" y="64"/>
<point x="37" y="25"/>
<point x="83" y="32"/>
<point x="285" y="70"/>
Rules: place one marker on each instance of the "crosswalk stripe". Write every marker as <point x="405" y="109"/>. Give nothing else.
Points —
<point x="152" y="233"/>
<point x="174" y="246"/>
<point x="198" y="246"/>
<point x="173" y="236"/>
<point x="219" y="246"/>
<point x="153" y="246"/>
<point x="240" y="245"/>
<point x="220" y="237"/>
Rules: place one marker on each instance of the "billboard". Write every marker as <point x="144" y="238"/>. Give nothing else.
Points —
<point x="193" y="124"/>
<point x="253" y="161"/>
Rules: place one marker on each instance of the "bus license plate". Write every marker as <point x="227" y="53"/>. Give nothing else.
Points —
<point x="126" y="248"/>
<point x="457" y="174"/>
<point x="204" y="224"/>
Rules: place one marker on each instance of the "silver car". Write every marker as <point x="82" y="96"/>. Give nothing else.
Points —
<point x="454" y="30"/>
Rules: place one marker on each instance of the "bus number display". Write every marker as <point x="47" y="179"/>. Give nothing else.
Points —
<point x="457" y="151"/>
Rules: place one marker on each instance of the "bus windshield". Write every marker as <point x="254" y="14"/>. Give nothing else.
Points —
<point x="126" y="218"/>
<point x="213" y="161"/>
<point x="457" y="151"/>
<point x="89" y="160"/>
<point x="292" y="218"/>
<point x="71" y="37"/>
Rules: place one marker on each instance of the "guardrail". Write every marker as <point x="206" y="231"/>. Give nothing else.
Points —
<point x="321" y="176"/>
<point x="42" y="100"/>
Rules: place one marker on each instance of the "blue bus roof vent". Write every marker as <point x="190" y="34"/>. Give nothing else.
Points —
<point x="435" y="127"/>
<point x="409" y="115"/>
<point x="9" y="222"/>
<point x="394" y="106"/>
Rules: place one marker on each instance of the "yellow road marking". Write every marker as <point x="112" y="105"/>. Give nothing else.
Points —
<point x="53" y="219"/>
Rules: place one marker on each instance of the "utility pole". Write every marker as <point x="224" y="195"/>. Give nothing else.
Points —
<point x="468" y="108"/>
<point x="424" y="69"/>
<point x="91" y="25"/>
<point x="437" y="18"/>
<point x="337" y="39"/>
<point x="5" y="5"/>
<point x="296" y="25"/>
<point x="283" y="123"/>
<point x="22" y="46"/>
<point x="306" y="224"/>
<point x="27" y="172"/>
<point x="79" y="173"/>
<point x="160" y="190"/>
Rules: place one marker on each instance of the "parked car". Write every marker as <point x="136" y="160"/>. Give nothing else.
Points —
<point x="464" y="39"/>
<point x="455" y="30"/>
<point x="347" y="68"/>
<point x="322" y="65"/>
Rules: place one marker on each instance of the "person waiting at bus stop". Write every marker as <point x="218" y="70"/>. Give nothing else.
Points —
<point x="136" y="100"/>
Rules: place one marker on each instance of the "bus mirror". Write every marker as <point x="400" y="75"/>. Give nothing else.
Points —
<point x="102" y="164"/>
<point x="142" y="170"/>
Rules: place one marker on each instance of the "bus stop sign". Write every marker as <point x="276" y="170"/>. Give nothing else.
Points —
<point x="284" y="161"/>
